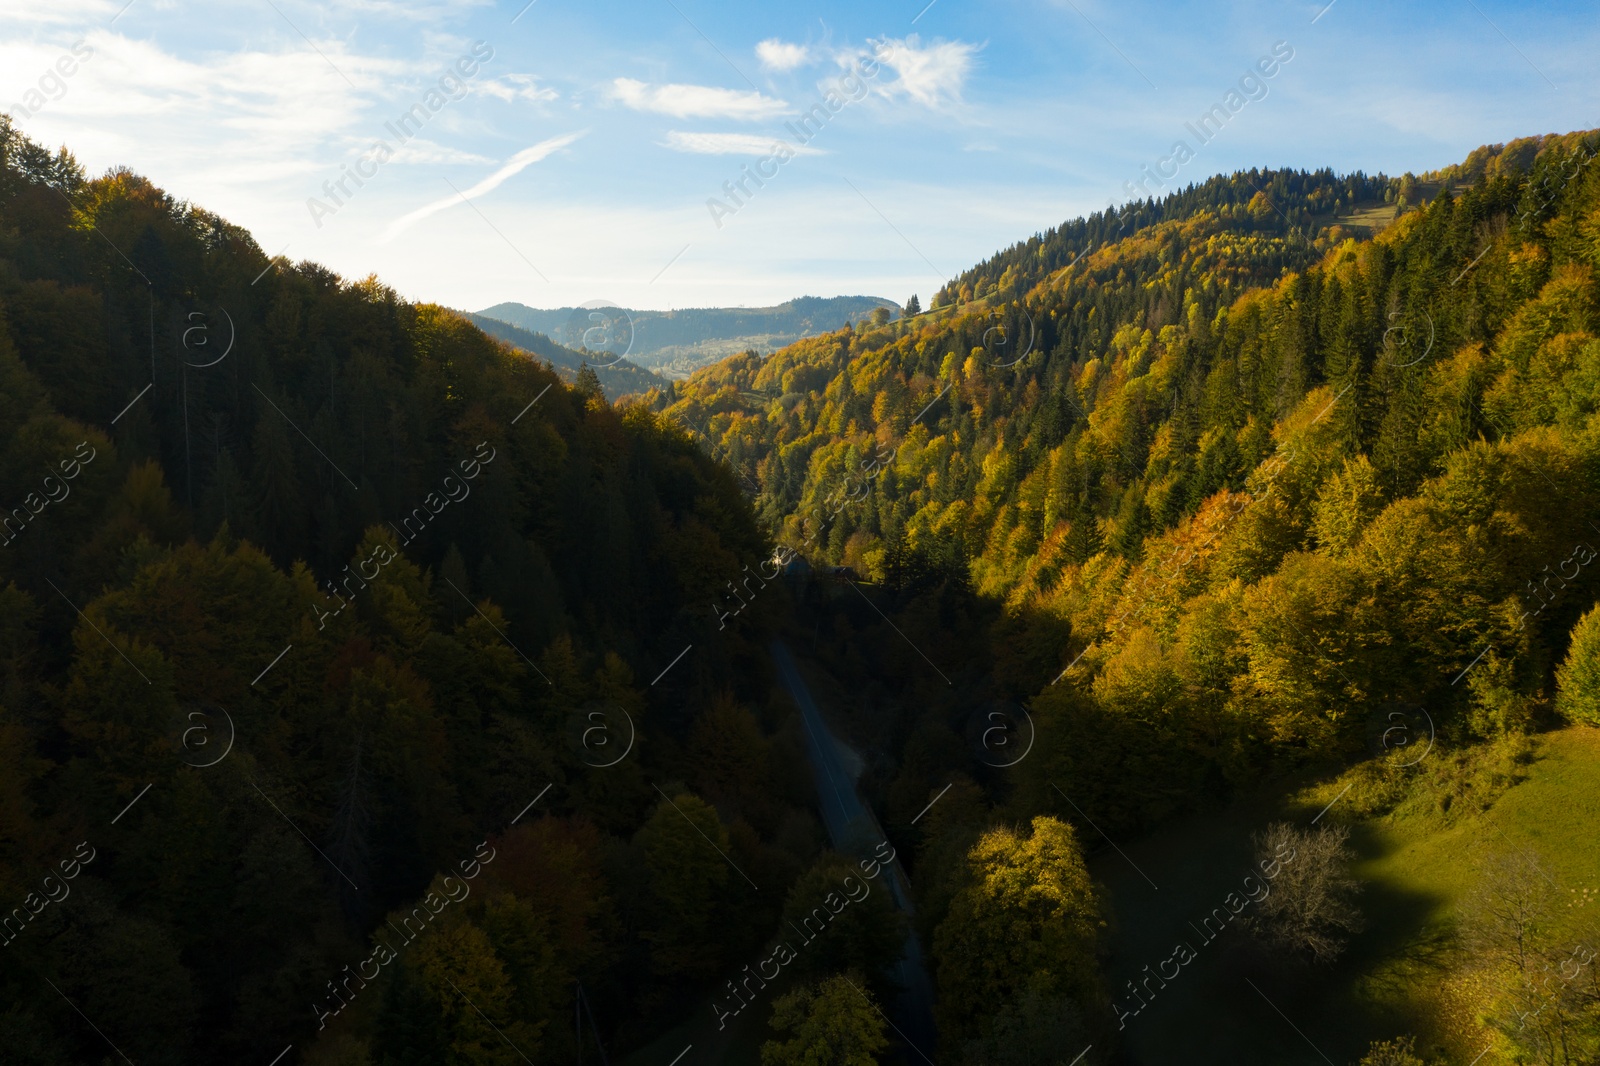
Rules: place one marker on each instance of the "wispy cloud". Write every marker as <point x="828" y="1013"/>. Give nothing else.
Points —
<point x="408" y="10"/>
<point x="421" y="150"/>
<point x="76" y="13"/>
<point x="781" y="55"/>
<point x="932" y="75"/>
<point x="515" y="165"/>
<point x="732" y="144"/>
<point x="222" y="123"/>
<point x="695" y="101"/>
<point x="513" y="87"/>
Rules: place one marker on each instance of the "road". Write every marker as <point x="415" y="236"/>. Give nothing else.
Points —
<point x="854" y="829"/>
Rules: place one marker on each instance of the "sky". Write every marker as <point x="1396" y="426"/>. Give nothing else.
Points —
<point x="566" y="151"/>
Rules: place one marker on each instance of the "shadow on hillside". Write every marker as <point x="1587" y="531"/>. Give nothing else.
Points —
<point x="1235" y="1002"/>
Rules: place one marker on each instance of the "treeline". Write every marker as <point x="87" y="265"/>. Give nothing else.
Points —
<point x="1300" y="199"/>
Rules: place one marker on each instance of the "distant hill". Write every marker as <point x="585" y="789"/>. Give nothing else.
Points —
<point x="676" y="343"/>
<point x="617" y="379"/>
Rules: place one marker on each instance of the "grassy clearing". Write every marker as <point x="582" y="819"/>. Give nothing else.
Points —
<point x="1402" y="974"/>
<point x="1369" y="217"/>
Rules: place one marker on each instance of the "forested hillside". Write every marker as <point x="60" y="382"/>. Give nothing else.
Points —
<point x="1196" y="493"/>
<point x="617" y="377"/>
<point x="1224" y="398"/>
<point x="332" y="633"/>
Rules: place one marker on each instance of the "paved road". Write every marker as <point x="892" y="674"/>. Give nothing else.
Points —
<point x="849" y="822"/>
<point x="842" y="808"/>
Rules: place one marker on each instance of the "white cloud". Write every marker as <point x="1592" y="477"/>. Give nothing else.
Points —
<point x="251" y="117"/>
<point x="781" y="55"/>
<point x="410" y="10"/>
<point x="695" y="101"/>
<point x="74" y="13"/>
<point x="515" y="165"/>
<point x="933" y="76"/>
<point x="732" y="144"/>
<point x="513" y="87"/>
<point x="419" y="150"/>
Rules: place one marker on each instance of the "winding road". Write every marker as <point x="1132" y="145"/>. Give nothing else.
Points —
<point x="853" y="827"/>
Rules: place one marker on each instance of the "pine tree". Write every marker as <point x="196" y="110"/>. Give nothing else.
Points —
<point x="588" y="383"/>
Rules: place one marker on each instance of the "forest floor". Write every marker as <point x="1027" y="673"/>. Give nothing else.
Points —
<point x="1400" y="975"/>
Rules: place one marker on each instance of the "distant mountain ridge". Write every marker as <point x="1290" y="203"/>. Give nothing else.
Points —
<point x="618" y="378"/>
<point x="676" y="343"/>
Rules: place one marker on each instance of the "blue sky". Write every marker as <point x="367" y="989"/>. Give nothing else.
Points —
<point x="577" y="161"/>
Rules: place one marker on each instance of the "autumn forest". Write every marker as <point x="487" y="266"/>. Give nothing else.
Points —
<point x="1135" y="655"/>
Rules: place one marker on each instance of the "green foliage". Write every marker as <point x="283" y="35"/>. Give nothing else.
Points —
<point x="862" y="930"/>
<point x="1346" y="504"/>
<point x="472" y="992"/>
<point x="1027" y="920"/>
<point x="834" y="1023"/>
<point x="411" y="1028"/>
<point x="1451" y="785"/>
<point x="1578" y="679"/>
<point x="1425" y="779"/>
<point x="685" y="878"/>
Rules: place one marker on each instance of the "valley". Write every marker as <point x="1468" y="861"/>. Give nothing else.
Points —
<point x="1176" y="643"/>
<point x="676" y="343"/>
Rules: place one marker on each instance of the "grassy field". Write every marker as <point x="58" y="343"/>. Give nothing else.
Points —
<point x="1368" y="217"/>
<point x="1399" y="975"/>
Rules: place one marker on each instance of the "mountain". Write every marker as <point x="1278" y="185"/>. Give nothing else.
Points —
<point x="618" y="377"/>
<point x="674" y="343"/>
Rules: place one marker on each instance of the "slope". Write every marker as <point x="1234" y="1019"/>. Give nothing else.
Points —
<point x="331" y="631"/>
<point x="618" y="377"/>
<point x="1198" y="506"/>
